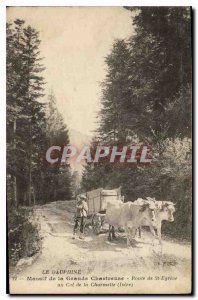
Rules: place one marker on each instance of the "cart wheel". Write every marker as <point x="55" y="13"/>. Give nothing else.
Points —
<point x="96" y="224"/>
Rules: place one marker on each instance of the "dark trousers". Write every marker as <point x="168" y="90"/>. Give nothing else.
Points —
<point x="80" y="222"/>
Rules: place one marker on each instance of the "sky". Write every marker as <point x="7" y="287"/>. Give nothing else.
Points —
<point x="74" y="43"/>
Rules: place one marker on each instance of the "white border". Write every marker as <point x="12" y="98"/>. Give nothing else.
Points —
<point x="3" y="150"/>
<point x="99" y="3"/>
<point x="3" y="5"/>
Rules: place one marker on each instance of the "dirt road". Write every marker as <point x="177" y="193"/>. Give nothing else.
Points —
<point x="95" y="255"/>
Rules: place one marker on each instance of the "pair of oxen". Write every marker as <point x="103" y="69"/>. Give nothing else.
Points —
<point x="132" y="216"/>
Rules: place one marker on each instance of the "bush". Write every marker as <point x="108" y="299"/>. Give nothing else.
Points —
<point x="23" y="234"/>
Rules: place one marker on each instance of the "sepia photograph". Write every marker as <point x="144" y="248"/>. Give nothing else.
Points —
<point x="99" y="150"/>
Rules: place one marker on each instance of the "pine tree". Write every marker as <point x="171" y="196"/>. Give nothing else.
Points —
<point x="161" y="60"/>
<point x="116" y="90"/>
<point x="57" y="130"/>
<point x="13" y="87"/>
<point x="147" y="95"/>
<point x="32" y="107"/>
<point x="58" y="176"/>
<point x="24" y="110"/>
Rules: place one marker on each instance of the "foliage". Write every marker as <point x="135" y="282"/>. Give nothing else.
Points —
<point x="56" y="181"/>
<point x="146" y="96"/>
<point x="32" y="125"/>
<point x="30" y="131"/>
<point x="24" y="239"/>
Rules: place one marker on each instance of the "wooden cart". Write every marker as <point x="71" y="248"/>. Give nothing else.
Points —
<point x="97" y="201"/>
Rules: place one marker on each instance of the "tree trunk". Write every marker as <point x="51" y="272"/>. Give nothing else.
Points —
<point x="14" y="177"/>
<point x="30" y="169"/>
<point x="29" y="185"/>
<point x="15" y="190"/>
<point x="33" y="194"/>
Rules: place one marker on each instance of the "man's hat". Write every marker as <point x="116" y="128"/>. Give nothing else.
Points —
<point x="82" y="197"/>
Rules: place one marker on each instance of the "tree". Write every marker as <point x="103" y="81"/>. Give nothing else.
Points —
<point x="14" y="75"/>
<point x="146" y="96"/>
<point x="56" y="129"/>
<point x="56" y="180"/>
<point x="32" y="125"/>
<point x="161" y="59"/>
<point x="115" y="89"/>
<point x="26" y="118"/>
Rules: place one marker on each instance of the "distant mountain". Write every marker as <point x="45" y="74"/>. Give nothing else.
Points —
<point x="78" y="139"/>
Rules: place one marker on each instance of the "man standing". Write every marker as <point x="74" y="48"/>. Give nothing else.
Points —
<point x="80" y="216"/>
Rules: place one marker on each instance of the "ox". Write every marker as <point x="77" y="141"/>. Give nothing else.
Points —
<point x="163" y="212"/>
<point x="129" y="216"/>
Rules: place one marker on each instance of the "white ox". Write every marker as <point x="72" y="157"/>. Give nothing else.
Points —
<point x="129" y="216"/>
<point x="163" y="212"/>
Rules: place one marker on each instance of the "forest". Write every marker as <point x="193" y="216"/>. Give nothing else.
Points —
<point x="147" y="98"/>
<point x="33" y="125"/>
